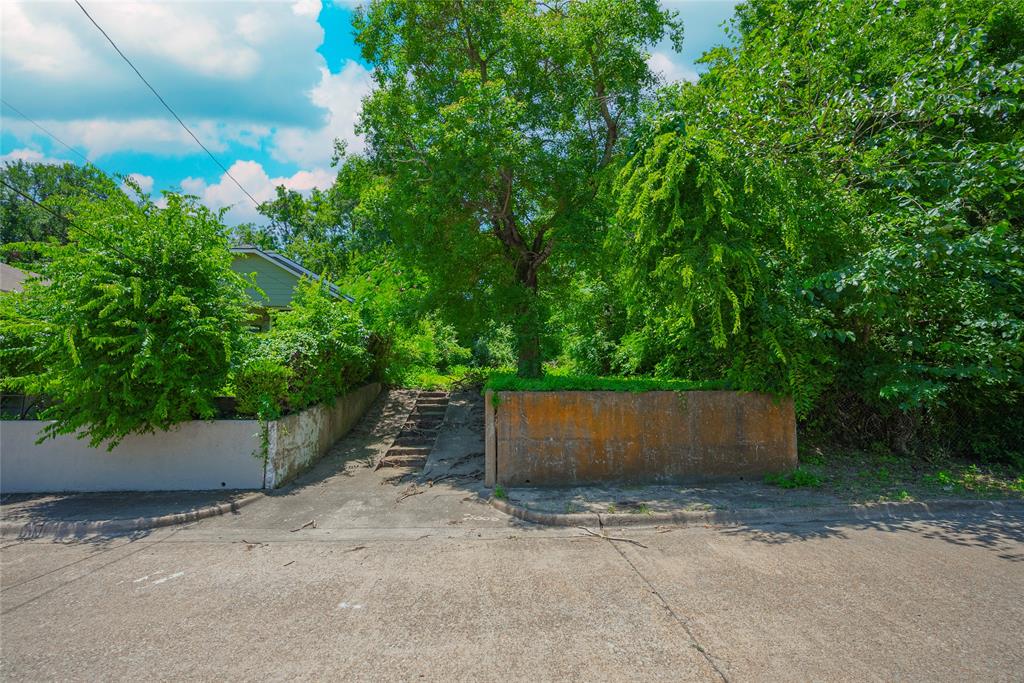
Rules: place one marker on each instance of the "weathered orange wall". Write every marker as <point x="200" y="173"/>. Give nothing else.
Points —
<point x="555" y="438"/>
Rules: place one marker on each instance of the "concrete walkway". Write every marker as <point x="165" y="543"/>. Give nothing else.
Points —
<point x="407" y="576"/>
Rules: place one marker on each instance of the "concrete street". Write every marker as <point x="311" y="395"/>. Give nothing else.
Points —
<point x="413" y="578"/>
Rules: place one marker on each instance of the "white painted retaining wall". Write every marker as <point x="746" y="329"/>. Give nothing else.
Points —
<point x="197" y="455"/>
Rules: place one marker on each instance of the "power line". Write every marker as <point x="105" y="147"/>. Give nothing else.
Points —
<point x="19" y="113"/>
<point x="163" y="102"/>
<point x="67" y="220"/>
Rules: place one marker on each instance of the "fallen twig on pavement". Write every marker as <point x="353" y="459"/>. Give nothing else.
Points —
<point x="409" y="492"/>
<point x="311" y="523"/>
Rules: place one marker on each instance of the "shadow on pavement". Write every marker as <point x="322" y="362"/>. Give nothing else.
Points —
<point x="1001" y="533"/>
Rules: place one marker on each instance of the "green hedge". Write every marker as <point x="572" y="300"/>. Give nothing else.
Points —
<point x="312" y="354"/>
<point x="511" y="382"/>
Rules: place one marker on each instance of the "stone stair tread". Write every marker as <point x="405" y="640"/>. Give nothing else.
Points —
<point x="414" y="441"/>
<point x="403" y="461"/>
<point x="409" y="450"/>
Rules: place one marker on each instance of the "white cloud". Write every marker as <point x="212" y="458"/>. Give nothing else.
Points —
<point x="235" y="61"/>
<point x="670" y="71"/>
<point x="252" y="176"/>
<point x="32" y="156"/>
<point x="207" y="42"/>
<point x="164" y="136"/>
<point x="307" y="8"/>
<point x="41" y="49"/>
<point x="341" y="95"/>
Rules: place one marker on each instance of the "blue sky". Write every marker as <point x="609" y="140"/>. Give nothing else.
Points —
<point x="265" y="85"/>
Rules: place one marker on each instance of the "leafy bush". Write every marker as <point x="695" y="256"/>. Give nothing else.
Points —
<point x="318" y="348"/>
<point x="798" y="478"/>
<point x="835" y="211"/>
<point x="261" y="387"/>
<point x="136" y="328"/>
<point x="495" y="347"/>
<point x="551" y="382"/>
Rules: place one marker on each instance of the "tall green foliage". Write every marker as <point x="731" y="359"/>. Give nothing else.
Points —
<point x="494" y="122"/>
<point x="134" y="327"/>
<point x="839" y="202"/>
<point x="23" y="221"/>
<point x="314" y="352"/>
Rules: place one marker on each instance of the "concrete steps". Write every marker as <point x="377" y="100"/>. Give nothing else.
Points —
<point x="414" y="442"/>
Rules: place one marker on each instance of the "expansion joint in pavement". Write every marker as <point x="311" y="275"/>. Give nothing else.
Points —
<point x="684" y="623"/>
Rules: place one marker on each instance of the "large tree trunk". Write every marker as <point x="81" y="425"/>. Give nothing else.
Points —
<point x="526" y="258"/>
<point x="527" y="323"/>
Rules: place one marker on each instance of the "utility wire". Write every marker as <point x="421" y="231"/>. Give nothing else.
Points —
<point x="67" y="220"/>
<point x="163" y="102"/>
<point x="19" y="113"/>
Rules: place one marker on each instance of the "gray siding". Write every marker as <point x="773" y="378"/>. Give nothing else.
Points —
<point x="278" y="285"/>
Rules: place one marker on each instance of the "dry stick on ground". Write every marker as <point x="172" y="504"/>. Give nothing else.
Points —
<point x="311" y="523"/>
<point x="611" y="538"/>
<point x="456" y="476"/>
<point x="411" y="491"/>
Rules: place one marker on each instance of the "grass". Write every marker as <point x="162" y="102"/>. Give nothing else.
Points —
<point x="500" y="493"/>
<point x="429" y="379"/>
<point x="506" y="380"/>
<point x="502" y="381"/>
<point x="878" y="476"/>
<point x="798" y="478"/>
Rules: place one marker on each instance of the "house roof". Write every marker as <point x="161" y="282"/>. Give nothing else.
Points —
<point x="290" y="266"/>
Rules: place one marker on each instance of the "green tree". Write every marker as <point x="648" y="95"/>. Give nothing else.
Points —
<point x="321" y="231"/>
<point x="23" y="221"/>
<point x="839" y="202"/>
<point x="314" y="352"/>
<point x="494" y="123"/>
<point x="136" y="328"/>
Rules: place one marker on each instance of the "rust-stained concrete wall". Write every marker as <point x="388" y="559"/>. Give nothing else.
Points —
<point x="296" y="441"/>
<point x="555" y="438"/>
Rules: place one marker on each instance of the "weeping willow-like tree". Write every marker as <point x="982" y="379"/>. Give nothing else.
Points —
<point x="840" y="199"/>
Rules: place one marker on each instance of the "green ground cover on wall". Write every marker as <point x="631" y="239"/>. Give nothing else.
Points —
<point x="511" y="382"/>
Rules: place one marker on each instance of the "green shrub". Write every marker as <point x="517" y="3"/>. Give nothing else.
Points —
<point x="495" y="347"/>
<point x="320" y="342"/>
<point x="137" y="327"/>
<point x="261" y="387"/>
<point x="501" y="381"/>
<point x="798" y="478"/>
<point x="863" y="253"/>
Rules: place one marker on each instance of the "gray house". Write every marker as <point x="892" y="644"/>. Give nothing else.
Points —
<point x="277" y="276"/>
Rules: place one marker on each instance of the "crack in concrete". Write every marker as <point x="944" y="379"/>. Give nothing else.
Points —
<point x="694" y="642"/>
<point x="90" y="572"/>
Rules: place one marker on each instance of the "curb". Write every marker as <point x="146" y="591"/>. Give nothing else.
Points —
<point x="828" y="513"/>
<point x="66" y="528"/>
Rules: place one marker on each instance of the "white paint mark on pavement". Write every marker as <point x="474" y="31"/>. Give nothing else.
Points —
<point x="348" y="605"/>
<point x="167" y="578"/>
